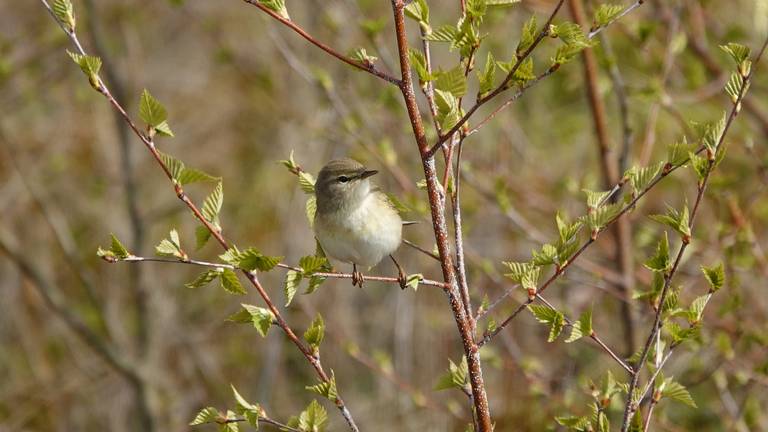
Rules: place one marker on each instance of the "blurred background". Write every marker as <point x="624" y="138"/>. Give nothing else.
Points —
<point x="86" y="345"/>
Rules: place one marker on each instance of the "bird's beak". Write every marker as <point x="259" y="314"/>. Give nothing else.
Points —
<point x="367" y="173"/>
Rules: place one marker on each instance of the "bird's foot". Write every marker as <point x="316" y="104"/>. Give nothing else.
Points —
<point x="402" y="279"/>
<point x="357" y="277"/>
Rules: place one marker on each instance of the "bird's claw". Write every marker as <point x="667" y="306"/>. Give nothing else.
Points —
<point x="402" y="279"/>
<point x="357" y="278"/>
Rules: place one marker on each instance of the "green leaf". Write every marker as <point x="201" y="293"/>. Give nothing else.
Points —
<point x="517" y="270"/>
<point x="677" y="153"/>
<point x="277" y="6"/>
<point x="116" y="251"/>
<point x="291" y="285"/>
<point x="448" y="110"/>
<point x="457" y="376"/>
<point x="175" y="166"/>
<point x="738" y="52"/>
<point x="604" y="14"/>
<point x="212" y="205"/>
<point x="65" y="13"/>
<point x="528" y="36"/>
<point x="641" y="178"/>
<point x="733" y="86"/>
<point x="475" y="9"/>
<point x="313" y="418"/>
<point x="547" y="256"/>
<point x="419" y="63"/>
<point x="250" y="259"/>
<point x="715" y="275"/>
<point x="696" y="311"/>
<point x="677" y="220"/>
<point x="574" y="39"/>
<point x="90" y="65"/>
<point x="363" y="57"/>
<point x="675" y="391"/>
<point x="204" y="278"/>
<point x="151" y="111"/>
<point x="700" y="165"/>
<point x="419" y="11"/>
<point x="582" y="327"/>
<point x="660" y="262"/>
<point x="713" y="133"/>
<point x="598" y="218"/>
<point x="567" y="231"/>
<point x="573" y="422"/>
<point x="206" y="415"/>
<point x="307" y="182"/>
<point x="603" y="424"/>
<point x="261" y="318"/>
<point x="164" y="129"/>
<point x="201" y="236"/>
<point x="313" y="263"/>
<point x="192" y="175"/>
<point x="488" y="76"/>
<point x="413" y="280"/>
<point x="446" y="33"/>
<point x="230" y="282"/>
<point x="250" y="411"/>
<point x="315" y="333"/>
<point x="171" y="247"/>
<point x="452" y="81"/>
<point x="524" y="72"/>
<point x="311" y="210"/>
<point x="326" y="389"/>
<point x="596" y="199"/>
<point x="546" y="315"/>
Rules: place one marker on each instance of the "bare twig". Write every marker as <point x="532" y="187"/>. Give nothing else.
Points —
<point x="367" y="67"/>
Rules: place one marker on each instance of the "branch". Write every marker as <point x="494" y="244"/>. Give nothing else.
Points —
<point x="102" y="88"/>
<point x="630" y="406"/>
<point x="337" y="275"/>
<point x="437" y="208"/>
<point x="367" y="67"/>
<point x="521" y="58"/>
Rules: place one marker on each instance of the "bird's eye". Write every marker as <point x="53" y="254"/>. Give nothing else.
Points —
<point x="343" y="179"/>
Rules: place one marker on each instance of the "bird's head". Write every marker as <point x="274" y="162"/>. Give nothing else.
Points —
<point x="342" y="183"/>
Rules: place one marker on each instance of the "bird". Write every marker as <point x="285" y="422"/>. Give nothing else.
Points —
<point x="355" y="221"/>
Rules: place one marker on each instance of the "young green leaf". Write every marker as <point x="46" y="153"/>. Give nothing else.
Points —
<point x="448" y="110"/>
<point x="604" y="14"/>
<point x="315" y="333"/>
<point x="192" y="175"/>
<point x="452" y="81"/>
<point x="206" y="415"/>
<point x="582" y="327"/>
<point x="363" y="57"/>
<point x="446" y="33"/>
<point x="90" y="65"/>
<point x="660" y="262"/>
<point x="573" y="422"/>
<point x="596" y="199"/>
<point x="212" y="205"/>
<point x="487" y="77"/>
<point x="546" y="315"/>
<point x="738" y="52"/>
<point x="204" y="278"/>
<point x="419" y="63"/>
<point x="700" y="165"/>
<point x="547" y="256"/>
<point x="261" y="318"/>
<point x="675" y="391"/>
<point x="151" y="111"/>
<point x="250" y="259"/>
<point x="527" y="37"/>
<point x="457" y="376"/>
<point x="715" y="275"/>
<point x="696" y="311"/>
<point x="326" y="389"/>
<point x="677" y="152"/>
<point x="419" y="11"/>
<point x="640" y="178"/>
<point x="116" y="250"/>
<point x="171" y="247"/>
<point x="413" y="280"/>
<point x="231" y="283"/>
<point x="278" y="6"/>
<point x="250" y="411"/>
<point x="313" y="418"/>
<point x="291" y="285"/>
<point x="677" y="220"/>
<point x="65" y="13"/>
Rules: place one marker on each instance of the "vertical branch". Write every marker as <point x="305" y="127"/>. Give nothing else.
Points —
<point x="437" y="208"/>
<point x="622" y="232"/>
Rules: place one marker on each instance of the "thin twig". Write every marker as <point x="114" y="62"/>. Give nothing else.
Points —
<point x="367" y="67"/>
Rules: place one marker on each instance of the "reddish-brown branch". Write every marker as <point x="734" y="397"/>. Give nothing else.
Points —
<point x="437" y="208"/>
<point x="622" y="233"/>
<point x="367" y="67"/>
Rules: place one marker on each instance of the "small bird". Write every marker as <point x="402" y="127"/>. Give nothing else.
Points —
<point x="355" y="222"/>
